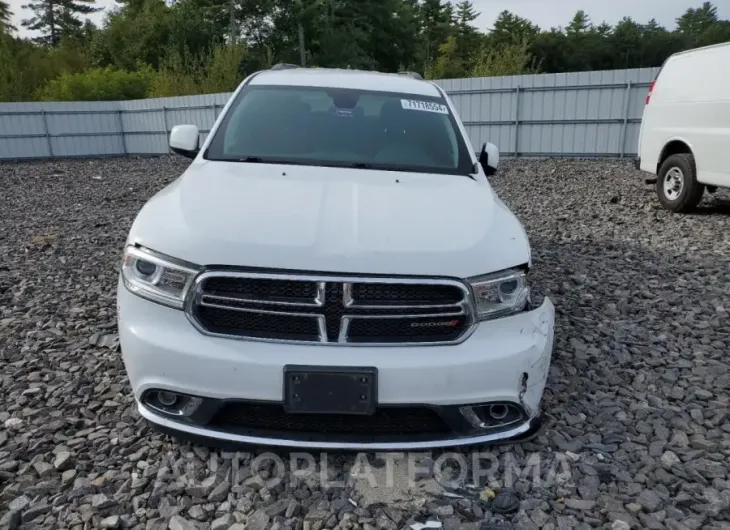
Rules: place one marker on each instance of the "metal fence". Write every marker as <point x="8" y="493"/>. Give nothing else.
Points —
<point x="575" y="114"/>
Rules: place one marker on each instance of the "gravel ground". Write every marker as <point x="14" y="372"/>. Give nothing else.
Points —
<point x="637" y="432"/>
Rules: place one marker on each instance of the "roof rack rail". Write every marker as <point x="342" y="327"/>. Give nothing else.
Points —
<point x="414" y="75"/>
<point x="284" y="66"/>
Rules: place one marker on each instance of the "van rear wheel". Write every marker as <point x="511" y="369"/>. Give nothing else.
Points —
<point x="677" y="185"/>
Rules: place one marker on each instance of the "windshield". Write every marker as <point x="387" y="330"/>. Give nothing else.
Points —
<point x="341" y="127"/>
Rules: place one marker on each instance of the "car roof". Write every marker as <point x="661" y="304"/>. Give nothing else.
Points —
<point x="341" y="78"/>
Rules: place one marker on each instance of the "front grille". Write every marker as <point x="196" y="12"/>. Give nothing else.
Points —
<point x="406" y="330"/>
<point x="389" y="294"/>
<point x="263" y="289"/>
<point x="331" y="310"/>
<point x="258" y="325"/>
<point x="271" y="418"/>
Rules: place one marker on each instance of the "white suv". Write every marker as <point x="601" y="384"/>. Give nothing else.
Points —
<point x="333" y="270"/>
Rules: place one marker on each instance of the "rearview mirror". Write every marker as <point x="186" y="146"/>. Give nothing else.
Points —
<point x="184" y="140"/>
<point x="489" y="158"/>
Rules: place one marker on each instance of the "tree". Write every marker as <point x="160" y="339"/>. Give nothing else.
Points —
<point x="580" y="24"/>
<point x="435" y="21"/>
<point x="138" y="33"/>
<point x="57" y="18"/>
<point x="468" y="39"/>
<point x="511" y="29"/>
<point x="697" y="21"/>
<point x="6" y="16"/>
<point x="702" y="27"/>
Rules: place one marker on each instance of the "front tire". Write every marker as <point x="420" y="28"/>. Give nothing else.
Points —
<point x="677" y="186"/>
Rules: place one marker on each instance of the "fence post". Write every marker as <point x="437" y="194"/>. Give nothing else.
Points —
<point x="517" y="121"/>
<point x="167" y="129"/>
<point x="121" y="132"/>
<point x="47" y="132"/>
<point x="627" y="106"/>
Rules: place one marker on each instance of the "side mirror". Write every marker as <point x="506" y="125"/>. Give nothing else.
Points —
<point x="489" y="158"/>
<point x="184" y="140"/>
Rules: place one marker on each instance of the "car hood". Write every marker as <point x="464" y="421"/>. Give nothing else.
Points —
<point x="332" y="220"/>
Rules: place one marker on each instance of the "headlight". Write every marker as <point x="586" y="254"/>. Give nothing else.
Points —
<point x="500" y="294"/>
<point x="156" y="277"/>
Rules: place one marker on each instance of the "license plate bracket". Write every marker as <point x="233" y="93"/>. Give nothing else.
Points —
<point x="330" y="389"/>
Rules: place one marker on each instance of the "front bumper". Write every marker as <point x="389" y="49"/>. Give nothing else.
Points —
<point x="163" y="351"/>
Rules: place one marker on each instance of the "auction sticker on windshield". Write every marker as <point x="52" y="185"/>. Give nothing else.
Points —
<point x="428" y="106"/>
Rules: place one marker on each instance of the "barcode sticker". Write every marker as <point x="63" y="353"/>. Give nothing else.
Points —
<point x="427" y="106"/>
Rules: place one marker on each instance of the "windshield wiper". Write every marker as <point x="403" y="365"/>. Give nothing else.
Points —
<point x="262" y="160"/>
<point x="367" y="165"/>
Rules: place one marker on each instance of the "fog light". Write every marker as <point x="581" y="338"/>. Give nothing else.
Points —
<point x="498" y="412"/>
<point x="168" y="399"/>
<point x="494" y="415"/>
<point x="171" y="403"/>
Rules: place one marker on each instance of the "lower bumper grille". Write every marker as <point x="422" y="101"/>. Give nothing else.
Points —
<point x="387" y="421"/>
<point x="331" y="310"/>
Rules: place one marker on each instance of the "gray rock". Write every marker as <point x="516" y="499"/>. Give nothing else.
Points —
<point x="650" y="522"/>
<point x="649" y="500"/>
<point x="68" y="476"/>
<point x="580" y="504"/>
<point x="31" y="514"/>
<point x="669" y="460"/>
<point x="291" y="509"/>
<point x="10" y="520"/>
<point x="220" y="493"/>
<point x="101" y="501"/>
<point x="567" y="522"/>
<point x="223" y="522"/>
<point x="180" y="523"/>
<point x="63" y="461"/>
<point x="589" y="487"/>
<point x="539" y="517"/>
<point x="259" y="520"/>
<point x="196" y="512"/>
<point x="278" y="508"/>
<point x="44" y="469"/>
<point x="112" y="521"/>
<point x="19" y="503"/>
<point x="443" y="511"/>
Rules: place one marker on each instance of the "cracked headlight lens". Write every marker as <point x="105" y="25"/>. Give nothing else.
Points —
<point x="500" y="294"/>
<point x="156" y="277"/>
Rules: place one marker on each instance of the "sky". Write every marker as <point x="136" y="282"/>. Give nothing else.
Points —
<point x="544" y="13"/>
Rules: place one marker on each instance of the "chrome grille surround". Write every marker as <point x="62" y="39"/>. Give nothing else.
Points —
<point x="317" y="306"/>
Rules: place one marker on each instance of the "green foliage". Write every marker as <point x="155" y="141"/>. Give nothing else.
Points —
<point x="135" y="34"/>
<point x="150" y="48"/>
<point x="98" y="84"/>
<point x="448" y="63"/>
<point x="5" y="16"/>
<point x="24" y="67"/>
<point x="509" y="59"/>
<point x="187" y="73"/>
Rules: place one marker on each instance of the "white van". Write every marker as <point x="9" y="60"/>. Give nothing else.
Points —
<point x="685" y="131"/>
